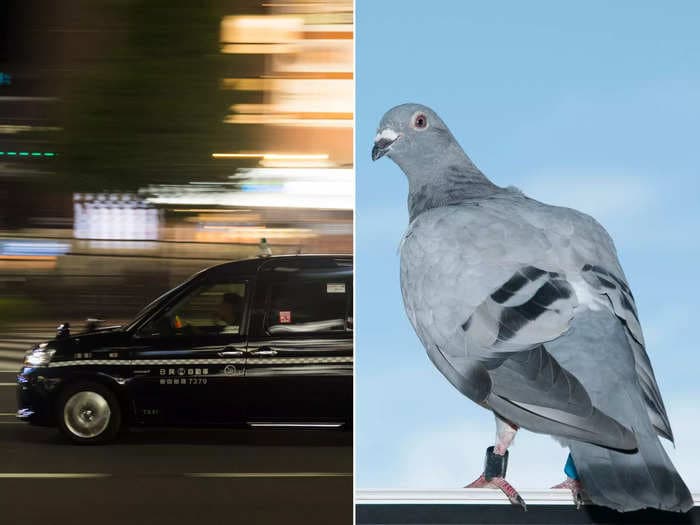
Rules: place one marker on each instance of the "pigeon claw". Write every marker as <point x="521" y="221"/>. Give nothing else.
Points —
<point x="499" y="483"/>
<point x="577" y="492"/>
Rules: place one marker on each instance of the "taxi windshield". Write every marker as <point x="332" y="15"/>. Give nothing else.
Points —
<point x="158" y="301"/>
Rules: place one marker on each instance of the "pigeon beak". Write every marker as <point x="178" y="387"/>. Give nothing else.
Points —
<point x="383" y="142"/>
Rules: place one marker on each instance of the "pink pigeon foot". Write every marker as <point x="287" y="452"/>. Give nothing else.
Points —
<point x="494" y="475"/>
<point x="499" y="483"/>
<point x="576" y="489"/>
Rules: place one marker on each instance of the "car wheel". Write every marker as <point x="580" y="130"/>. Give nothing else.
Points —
<point x="89" y="414"/>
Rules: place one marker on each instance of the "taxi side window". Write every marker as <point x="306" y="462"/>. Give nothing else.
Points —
<point x="211" y="309"/>
<point x="307" y="306"/>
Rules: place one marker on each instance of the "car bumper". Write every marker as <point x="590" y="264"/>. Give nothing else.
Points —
<point x="34" y="398"/>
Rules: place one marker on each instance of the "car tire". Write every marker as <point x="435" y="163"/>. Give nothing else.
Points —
<point x="89" y="413"/>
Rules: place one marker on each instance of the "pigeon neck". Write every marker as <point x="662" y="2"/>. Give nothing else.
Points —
<point x="453" y="184"/>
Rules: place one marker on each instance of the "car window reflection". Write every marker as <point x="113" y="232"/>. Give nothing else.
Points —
<point x="209" y="310"/>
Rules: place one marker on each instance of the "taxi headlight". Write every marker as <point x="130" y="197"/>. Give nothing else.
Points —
<point x="40" y="356"/>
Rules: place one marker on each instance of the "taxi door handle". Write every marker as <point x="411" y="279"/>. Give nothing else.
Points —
<point x="264" y="351"/>
<point x="231" y="353"/>
<point x="228" y="352"/>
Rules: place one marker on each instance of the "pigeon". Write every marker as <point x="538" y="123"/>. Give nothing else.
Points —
<point x="525" y="309"/>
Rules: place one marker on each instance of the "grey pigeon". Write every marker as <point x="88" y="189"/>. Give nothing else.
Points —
<point x="525" y="309"/>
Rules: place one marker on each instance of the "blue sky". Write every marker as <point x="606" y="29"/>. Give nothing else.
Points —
<point x="593" y="105"/>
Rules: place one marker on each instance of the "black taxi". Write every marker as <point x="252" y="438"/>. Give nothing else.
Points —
<point x="258" y="342"/>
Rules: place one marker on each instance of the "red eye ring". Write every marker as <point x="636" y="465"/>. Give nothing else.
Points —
<point x="420" y="121"/>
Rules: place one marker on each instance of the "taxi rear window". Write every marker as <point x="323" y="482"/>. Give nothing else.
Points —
<point x="307" y="306"/>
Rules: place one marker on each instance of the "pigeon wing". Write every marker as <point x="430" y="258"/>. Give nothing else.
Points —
<point x="509" y="332"/>
<point x="590" y="257"/>
<point x="533" y="306"/>
<point x="614" y="287"/>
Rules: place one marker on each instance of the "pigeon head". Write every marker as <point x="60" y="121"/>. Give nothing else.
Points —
<point x="439" y="172"/>
<point x="408" y="131"/>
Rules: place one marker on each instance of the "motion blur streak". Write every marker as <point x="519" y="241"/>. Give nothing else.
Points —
<point x="269" y="156"/>
<point x="137" y="148"/>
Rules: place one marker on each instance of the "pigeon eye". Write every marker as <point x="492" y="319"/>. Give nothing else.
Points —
<point x="420" y="121"/>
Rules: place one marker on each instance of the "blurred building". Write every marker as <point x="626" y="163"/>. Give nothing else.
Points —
<point x="298" y="109"/>
<point x="29" y="120"/>
<point x="141" y="141"/>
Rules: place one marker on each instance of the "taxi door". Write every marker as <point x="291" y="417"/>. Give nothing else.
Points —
<point x="299" y="366"/>
<point x="188" y="361"/>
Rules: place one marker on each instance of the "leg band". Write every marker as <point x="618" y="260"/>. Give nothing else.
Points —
<point x="570" y="468"/>
<point x="495" y="465"/>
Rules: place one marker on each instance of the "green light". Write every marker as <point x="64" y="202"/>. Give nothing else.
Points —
<point x="29" y="153"/>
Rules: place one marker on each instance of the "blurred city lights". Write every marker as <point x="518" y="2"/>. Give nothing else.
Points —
<point x="262" y="34"/>
<point x="335" y="175"/>
<point x="28" y="153"/>
<point x="115" y="217"/>
<point x="270" y="156"/>
<point x="41" y="248"/>
<point x="329" y="195"/>
<point x="310" y="67"/>
<point x="307" y="84"/>
<point x="158" y="165"/>
<point x="12" y="129"/>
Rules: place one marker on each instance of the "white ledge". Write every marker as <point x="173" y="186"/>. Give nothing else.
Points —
<point x="467" y="496"/>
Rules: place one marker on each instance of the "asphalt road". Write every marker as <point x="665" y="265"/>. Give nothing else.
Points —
<point x="173" y="475"/>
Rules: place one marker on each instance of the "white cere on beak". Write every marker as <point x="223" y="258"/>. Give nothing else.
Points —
<point x="386" y="134"/>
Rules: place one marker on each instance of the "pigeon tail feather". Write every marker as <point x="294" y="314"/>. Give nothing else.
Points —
<point x="631" y="481"/>
<point x="621" y="480"/>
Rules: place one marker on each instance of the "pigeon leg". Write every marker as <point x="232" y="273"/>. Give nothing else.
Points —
<point x="572" y="482"/>
<point x="494" y="475"/>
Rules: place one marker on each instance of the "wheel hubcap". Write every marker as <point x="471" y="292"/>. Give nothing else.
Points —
<point x="86" y="414"/>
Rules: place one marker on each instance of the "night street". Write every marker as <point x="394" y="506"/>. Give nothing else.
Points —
<point x="172" y="475"/>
